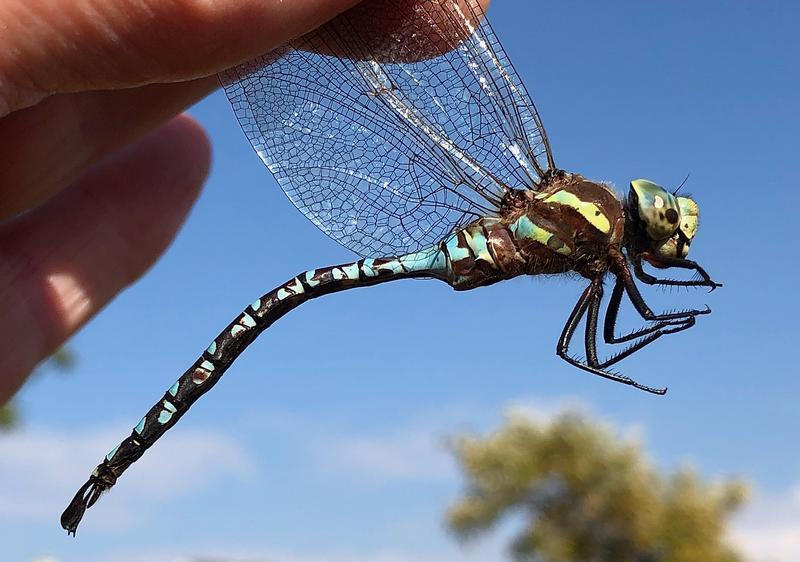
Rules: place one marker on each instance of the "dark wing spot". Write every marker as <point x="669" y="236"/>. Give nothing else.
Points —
<point x="672" y="216"/>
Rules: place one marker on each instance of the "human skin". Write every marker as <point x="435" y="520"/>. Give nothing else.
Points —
<point x="99" y="165"/>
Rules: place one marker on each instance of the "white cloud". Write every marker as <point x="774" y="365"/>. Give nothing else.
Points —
<point x="40" y="470"/>
<point x="451" y="555"/>
<point x="768" y="530"/>
<point x="417" y="451"/>
<point x="414" y="454"/>
<point x="491" y="550"/>
<point x="414" y="451"/>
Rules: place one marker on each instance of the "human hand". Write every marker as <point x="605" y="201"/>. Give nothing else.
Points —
<point x="98" y="173"/>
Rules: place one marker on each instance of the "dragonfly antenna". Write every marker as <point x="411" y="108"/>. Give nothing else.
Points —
<point x="677" y="189"/>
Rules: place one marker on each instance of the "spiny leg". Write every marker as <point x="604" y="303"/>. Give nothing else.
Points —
<point x="612" y="313"/>
<point x="624" y="274"/>
<point x="648" y="335"/>
<point x="664" y="262"/>
<point x="574" y="319"/>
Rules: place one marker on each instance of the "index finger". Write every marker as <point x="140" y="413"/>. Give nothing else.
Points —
<point x="61" y="46"/>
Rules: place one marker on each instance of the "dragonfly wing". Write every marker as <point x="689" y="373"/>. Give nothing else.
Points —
<point x="388" y="137"/>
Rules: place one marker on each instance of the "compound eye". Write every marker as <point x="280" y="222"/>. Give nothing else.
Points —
<point x="677" y="246"/>
<point x="656" y="209"/>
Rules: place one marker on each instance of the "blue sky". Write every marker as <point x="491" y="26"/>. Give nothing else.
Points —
<point x="318" y="445"/>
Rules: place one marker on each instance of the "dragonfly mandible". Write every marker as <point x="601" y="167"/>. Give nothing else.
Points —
<point x="417" y="146"/>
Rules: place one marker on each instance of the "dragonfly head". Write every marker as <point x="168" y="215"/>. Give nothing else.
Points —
<point x="668" y="222"/>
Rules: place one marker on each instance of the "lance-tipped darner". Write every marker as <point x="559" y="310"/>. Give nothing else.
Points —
<point x="418" y="141"/>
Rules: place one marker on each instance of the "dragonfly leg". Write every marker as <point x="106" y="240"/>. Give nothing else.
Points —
<point x="645" y="336"/>
<point x="612" y="313"/>
<point x="664" y="262"/>
<point x="623" y="273"/>
<point x="588" y="299"/>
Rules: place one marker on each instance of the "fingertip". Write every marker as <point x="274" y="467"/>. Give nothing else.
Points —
<point x="64" y="261"/>
<point x="99" y="45"/>
<point x="189" y="141"/>
<point x="164" y="173"/>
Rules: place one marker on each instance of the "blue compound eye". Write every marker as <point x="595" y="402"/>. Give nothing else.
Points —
<point x="656" y="208"/>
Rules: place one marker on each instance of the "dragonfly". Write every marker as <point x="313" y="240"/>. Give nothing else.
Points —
<point x="416" y="145"/>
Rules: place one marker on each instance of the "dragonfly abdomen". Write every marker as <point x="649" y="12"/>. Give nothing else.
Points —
<point x="208" y="369"/>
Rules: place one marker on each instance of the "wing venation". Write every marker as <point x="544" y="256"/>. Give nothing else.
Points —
<point x="389" y="138"/>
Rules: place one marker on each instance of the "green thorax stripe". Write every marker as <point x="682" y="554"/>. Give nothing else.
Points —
<point x="525" y="229"/>
<point x="590" y="211"/>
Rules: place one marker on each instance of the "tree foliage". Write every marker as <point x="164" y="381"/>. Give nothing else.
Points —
<point x="588" y="496"/>
<point x="63" y="359"/>
<point x="8" y="417"/>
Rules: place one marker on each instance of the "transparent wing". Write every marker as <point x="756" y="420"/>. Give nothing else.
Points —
<point x="394" y="123"/>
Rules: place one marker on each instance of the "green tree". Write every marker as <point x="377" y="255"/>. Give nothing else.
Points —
<point x="8" y="417"/>
<point x="589" y="496"/>
<point x="62" y="359"/>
